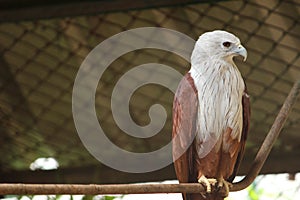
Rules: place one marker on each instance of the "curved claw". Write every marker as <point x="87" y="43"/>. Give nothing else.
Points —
<point x="223" y="183"/>
<point x="208" y="182"/>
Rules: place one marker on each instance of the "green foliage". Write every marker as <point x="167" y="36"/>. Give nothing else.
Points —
<point x="253" y="192"/>
<point x="88" y="197"/>
<point x="108" y="198"/>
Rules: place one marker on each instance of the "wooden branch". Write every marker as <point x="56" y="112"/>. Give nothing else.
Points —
<point x="163" y="188"/>
<point x="270" y="139"/>
<point x="99" y="189"/>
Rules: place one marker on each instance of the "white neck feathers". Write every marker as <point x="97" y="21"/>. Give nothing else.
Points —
<point x="220" y="89"/>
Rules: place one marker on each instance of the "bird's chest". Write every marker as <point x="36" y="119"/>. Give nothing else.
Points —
<point x="220" y="102"/>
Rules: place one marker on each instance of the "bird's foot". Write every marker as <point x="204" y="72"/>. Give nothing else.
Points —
<point x="208" y="182"/>
<point x="223" y="183"/>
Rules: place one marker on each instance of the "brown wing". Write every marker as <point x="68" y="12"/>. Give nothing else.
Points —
<point x="246" y="123"/>
<point x="185" y="107"/>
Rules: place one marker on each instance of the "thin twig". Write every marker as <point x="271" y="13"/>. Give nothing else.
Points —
<point x="163" y="188"/>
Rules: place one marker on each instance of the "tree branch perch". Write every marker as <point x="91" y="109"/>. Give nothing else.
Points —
<point x="261" y="157"/>
<point x="270" y="139"/>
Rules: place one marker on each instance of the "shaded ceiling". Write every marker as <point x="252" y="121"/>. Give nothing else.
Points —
<point x="43" y="45"/>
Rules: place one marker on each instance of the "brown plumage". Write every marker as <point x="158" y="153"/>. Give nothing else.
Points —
<point x="211" y="114"/>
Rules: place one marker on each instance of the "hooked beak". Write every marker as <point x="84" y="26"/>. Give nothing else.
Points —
<point x="240" y="50"/>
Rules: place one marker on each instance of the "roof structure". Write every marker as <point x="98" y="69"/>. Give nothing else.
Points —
<point x="42" y="46"/>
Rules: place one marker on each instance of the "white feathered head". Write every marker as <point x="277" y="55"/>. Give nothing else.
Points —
<point x="217" y="44"/>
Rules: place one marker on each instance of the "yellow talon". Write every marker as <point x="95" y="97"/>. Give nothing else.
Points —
<point x="223" y="183"/>
<point x="208" y="182"/>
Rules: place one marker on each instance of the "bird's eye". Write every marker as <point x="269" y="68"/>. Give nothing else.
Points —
<point x="226" y="44"/>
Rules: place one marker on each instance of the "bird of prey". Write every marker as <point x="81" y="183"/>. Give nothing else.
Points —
<point x="211" y="112"/>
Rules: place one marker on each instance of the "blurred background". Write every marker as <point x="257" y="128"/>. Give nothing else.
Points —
<point x="43" y="44"/>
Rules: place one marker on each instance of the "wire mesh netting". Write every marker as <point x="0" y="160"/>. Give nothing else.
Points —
<point x="40" y="60"/>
